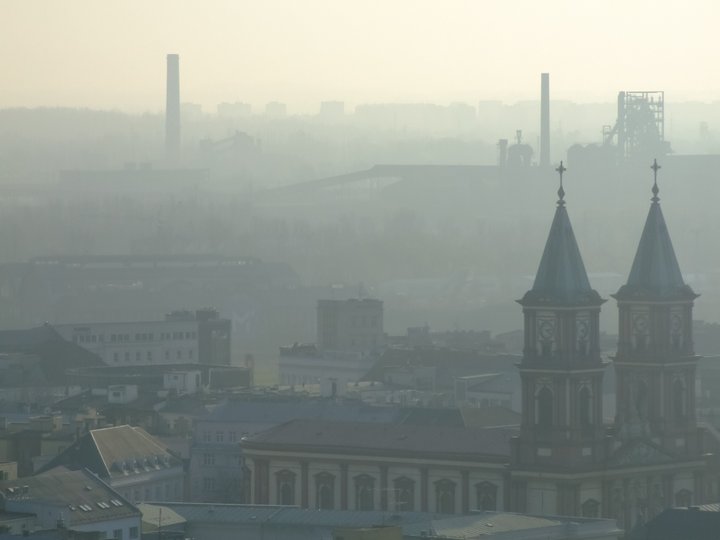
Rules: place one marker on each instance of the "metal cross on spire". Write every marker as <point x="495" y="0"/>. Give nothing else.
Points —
<point x="655" y="189"/>
<point x="561" y="192"/>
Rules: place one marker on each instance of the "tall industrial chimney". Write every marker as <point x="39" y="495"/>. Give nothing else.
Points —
<point x="172" y="109"/>
<point x="545" y="120"/>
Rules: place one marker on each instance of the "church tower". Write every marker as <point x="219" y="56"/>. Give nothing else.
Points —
<point x="655" y="363"/>
<point x="561" y="373"/>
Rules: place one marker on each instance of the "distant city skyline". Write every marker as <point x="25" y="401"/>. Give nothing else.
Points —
<point x="111" y="55"/>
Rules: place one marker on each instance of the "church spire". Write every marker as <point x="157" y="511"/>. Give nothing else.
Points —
<point x="561" y="277"/>
<point x="655" y="270"/>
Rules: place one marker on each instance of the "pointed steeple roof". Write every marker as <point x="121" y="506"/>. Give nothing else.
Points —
<point x="561" y="278"/>
<point x="655" y="272"/>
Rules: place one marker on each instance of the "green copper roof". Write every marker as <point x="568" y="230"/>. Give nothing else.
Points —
<point x="655" y="271"/>
<point x="561" y="278"/>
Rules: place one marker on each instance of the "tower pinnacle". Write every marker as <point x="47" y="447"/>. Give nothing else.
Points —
<point x="655" y="189"/>
<point x="561" y="192"/>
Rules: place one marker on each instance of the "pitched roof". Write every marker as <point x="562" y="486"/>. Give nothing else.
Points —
<point x="655" y="271"/>
<point x="561" y="277"/>
<point x="63" y="487"/>
<point x="116" y="452"/>
<point x="385" y="439"/>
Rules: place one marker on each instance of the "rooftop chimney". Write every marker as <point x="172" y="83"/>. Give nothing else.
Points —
<point x="545" y="120"/>
<point x="172" y="109"/>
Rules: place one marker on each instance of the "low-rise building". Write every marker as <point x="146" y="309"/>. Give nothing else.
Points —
<point x="76" y="501"/>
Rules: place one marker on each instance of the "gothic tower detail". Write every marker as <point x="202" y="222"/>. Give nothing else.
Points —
<point x="561" y="369"/>
<point x="655" y="363"/>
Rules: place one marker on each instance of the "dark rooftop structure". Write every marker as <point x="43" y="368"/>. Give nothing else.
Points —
<point x="44" y="356"/>
<point x="388" y="439"/>
<point x="691" y="523"/>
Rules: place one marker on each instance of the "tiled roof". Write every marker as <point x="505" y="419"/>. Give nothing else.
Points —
<point x="385" y="439"/>
<point x="85" y="496"/>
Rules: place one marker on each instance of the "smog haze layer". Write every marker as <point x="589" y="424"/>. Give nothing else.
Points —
<point x="105" y="55"/>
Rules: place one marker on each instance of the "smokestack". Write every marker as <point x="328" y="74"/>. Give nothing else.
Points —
<point x="545" y="120"/>
<point x="172" y="109"/>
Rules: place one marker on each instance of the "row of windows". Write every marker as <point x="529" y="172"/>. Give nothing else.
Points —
<point x="220" y="436"/>
<point x="140" y="336"/>
<point x="148" y="356"/>
<point x="366" y="493"/>
<point x="209" y="459"/>
<point x="167" y="336"/>
<point x="117" y="534"/>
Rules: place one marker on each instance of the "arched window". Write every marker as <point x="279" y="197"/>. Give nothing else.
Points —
<point x="445" y="497"/>
<point x="364" y="492"/>
<point x="486" y="496"/>
<point x="404" y="494"/>
<point x="324" y="491"/>
<point x="585" y="406"/>
<point x="246" y="494"/>
<point x="285" y="481"/>
<point x="679" y="410"/>
<point x="590" y="508"/>
<point x="545" y="407"/>
<point x="683" y="498"/>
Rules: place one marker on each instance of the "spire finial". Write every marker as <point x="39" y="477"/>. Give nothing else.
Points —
<point x="561" y="192"/>
<point x="655" y="189"/>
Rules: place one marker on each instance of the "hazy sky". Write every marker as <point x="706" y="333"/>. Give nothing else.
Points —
<point x="111" y="53"/>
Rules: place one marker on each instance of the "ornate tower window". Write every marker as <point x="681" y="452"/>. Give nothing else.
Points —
<point x="545" y="332"/>
<point x="677" y="330"/>
<point x="640" y="331"/>
<point x="585" y="406"/>
<point x="582" y="334"/>
<point x="544" y="407"/>
<point x="679" y="401"/>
